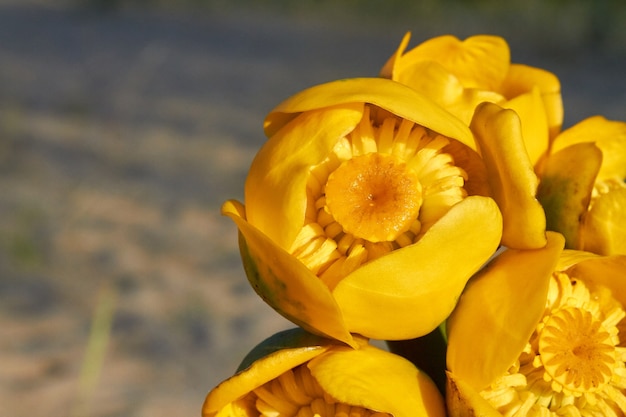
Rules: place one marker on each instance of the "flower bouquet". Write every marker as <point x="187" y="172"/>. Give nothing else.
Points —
<point x="440" y="207"/>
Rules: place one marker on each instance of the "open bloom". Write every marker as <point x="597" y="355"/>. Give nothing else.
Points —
<point x="460" y="74"/>
<point x="583" y="188"/>
<point x="296" y="374"/>
<point x="540" y="333"/>
<point x="369" y="208"/>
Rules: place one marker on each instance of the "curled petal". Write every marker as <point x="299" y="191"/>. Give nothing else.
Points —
<point x="302" y="298"/>
<point x="377" y="380"/>
<point x="604" y="227"/>
<point x="608" y="135"/>
<point x="482" y="342"/>
<point x="402" y="295"/>
<point x="510" y="173"/>
<point x="267" y="361"/>
<point x="565" y="189"/>
<point x="275" y="190"/>
<point x="478" y="62"/>
<point x="464" y="401"/>
<point x="530" y="109"/>
<point x="521" y="79"/>
<point x="606" y="271"/>
<point x="386" y="94"/>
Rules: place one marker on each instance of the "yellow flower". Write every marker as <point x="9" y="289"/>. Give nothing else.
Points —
<point x="540" y="333"/>
<point x="459" y="75"/>
<point x="582" y="186"/>
<point x="367" y="209"/>
<point x="296" y="374"/>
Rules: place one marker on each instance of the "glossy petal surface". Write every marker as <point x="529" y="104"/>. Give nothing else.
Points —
<point x="464" y="401"/>
<point x="498" y="311"/>
<point x="386" y="94"/>
<point x="608" y="135"/>
<point x="521" y="79"/>
<point x="510" y="174"/>
<point x="377" y="380"/>
<point x="275" y="191"/>
<point x="272" y="357"/>
<point x="565" y="189"/>
<point x="302" y="298"/>
<point x="407" y="293"/>
<point x="478" y="62"/>
<point x="604" y="229"/>
<point x="530" y="109"/>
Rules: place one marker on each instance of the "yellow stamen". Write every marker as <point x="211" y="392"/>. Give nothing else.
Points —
<point x="573" y="363"/>
<point x="576" y="351"/>
<point x="380" y="189"/>
<point x="297" y="394"/>
<point x="374" y="197"/>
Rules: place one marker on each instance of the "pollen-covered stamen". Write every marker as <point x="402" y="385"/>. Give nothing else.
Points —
<point x="374" y="196"/>
<point x="297" y="394"/>
<point x="380" y="189"/>
<point x="573" y="363"/>
<point x="576" y="350"/>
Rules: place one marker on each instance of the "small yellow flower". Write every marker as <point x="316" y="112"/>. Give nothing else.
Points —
<point x="369" y="208"/>
<point x="296" y="374"/>
<point x="583" y="188"/>
<point x="460" y="74"/>
<point x="539" y="333"/>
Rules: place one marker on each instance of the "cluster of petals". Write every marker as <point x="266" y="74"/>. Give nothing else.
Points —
<point x="441" y="195"/>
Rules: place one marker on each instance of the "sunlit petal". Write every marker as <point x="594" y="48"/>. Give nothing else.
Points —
<point x="402" y="295"/>
<point x="478" y="62"/>
<point x="510" y="175"/>
<point x="521" y="79"/>
<point x="482" y="342"/>
<point x="275" y="191"/>
<point x="565" y="189"/>
<point x="389" y="95"/>
<point x="267" y="267"/>
<point x="377" y="380"/>
<point x="604" y="228"/>
<point x="608" y="135"/>
<point x="530" y="109"/>
<point x="279" y="353"/>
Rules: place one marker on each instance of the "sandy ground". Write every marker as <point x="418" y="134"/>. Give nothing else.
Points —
<point x="120" y="136"/>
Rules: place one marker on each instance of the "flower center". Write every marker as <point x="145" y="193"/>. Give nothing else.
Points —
<point x="374" y="196"/>
<point x="297" y="394"/>
<point x="380" y="189"/>
<point x="576" y="350"/>
<point x="573" y="363"/>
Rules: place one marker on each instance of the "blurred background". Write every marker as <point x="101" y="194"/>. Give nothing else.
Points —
<point x="123" y="127"/>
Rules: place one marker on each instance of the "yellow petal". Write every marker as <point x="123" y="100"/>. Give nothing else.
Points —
<point x="377" y="380"/>
<point x="498" y="312"/>
<point x="510" y="174"/>
<point x="521" y="79"/>
<point x="565" y="189"/>
<point x="604" y="227"/>
<point x="606" y="271"/>
<point x="286" y="284"/>
<point x="408" y="292"/>
<point x="530" y="109"/>
<point x="478" y="62"/>
<point x="608" y="135"/>
<point x="276" y="355"/>
<point x="437" y="83"/>
<point x="570" y="257"/>
<point x="275" y="190"/>
<point x="387" y="94"/>
<point x="464" y="401"/>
